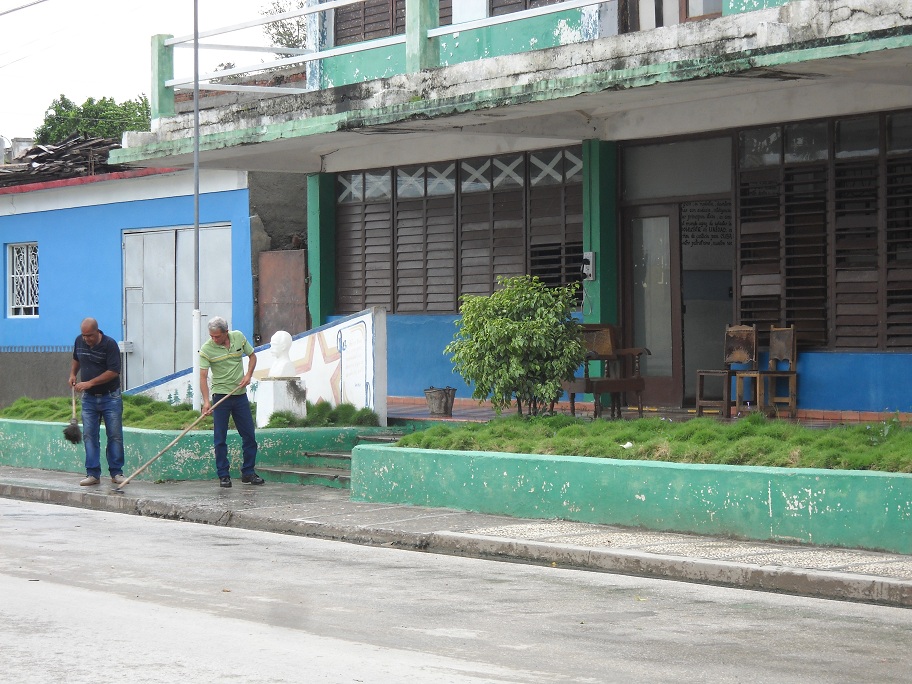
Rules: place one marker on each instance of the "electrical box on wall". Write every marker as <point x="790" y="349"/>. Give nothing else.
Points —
<point x="588" y="266"/>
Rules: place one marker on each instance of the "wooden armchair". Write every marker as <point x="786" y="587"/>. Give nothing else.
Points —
<point x="621" y="368"/>
<point x="740" y="348"/>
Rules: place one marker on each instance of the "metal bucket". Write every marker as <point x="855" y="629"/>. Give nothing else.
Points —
<point x="440" y="400"/>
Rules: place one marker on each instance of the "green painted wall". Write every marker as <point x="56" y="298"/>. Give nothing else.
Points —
<point x="536" y="33"/>
<point x="741" y="6"/>
<point x="321" y="247"/>
<point x="600" y="229"/>
<point x="516" y="37"/>
<point x="854" y="509"/>
<point x="34" y="444"/>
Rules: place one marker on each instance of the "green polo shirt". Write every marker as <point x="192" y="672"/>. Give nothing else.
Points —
<point x="226" y="364"/>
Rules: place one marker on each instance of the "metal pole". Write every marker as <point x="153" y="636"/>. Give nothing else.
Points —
<point x="197" y="399"/>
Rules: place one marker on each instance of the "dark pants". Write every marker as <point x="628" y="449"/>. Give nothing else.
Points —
<point x="238" y="407"/>
<point x="95" y="409"/>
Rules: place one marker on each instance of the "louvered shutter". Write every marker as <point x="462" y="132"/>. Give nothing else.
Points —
<point x="761" y="280"/>
<point x="899" y="252"/>
<point x="856" y="255"/>
<point x="806" y="285"/>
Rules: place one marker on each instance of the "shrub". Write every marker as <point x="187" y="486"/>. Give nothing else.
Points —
<point x="520" y="341"/>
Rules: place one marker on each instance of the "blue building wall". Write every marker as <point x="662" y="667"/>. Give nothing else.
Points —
<point x="80" y="262"/>
<point x="827" y="381"/>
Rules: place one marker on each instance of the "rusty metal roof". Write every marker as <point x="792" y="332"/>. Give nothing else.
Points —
<point x="75" y="157"/>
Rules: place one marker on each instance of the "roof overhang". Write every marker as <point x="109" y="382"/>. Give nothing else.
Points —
<point x="690" y="79"/>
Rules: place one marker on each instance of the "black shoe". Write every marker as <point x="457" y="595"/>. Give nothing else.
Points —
<point x="252" y="478"/>
<point x="224" y="482"/>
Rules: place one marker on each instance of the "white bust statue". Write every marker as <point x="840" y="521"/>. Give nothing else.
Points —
<point x="282" y="366"/>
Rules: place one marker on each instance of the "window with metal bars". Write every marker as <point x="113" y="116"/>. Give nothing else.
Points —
<point x="373" y="19"/>
<point x="431" y="232"/>
<point x="825" y="231"/>
<point x="22" y="260"/>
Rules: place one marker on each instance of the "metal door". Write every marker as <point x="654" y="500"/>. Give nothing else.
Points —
<point x="158" y="296"/>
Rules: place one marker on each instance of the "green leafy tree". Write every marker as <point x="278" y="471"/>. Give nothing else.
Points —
<point x="520" y="341"/>
<point x="102" y="118"/>
<point x="291" y="33"/>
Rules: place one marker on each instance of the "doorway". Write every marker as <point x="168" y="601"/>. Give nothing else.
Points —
<point x="678" y="288"/>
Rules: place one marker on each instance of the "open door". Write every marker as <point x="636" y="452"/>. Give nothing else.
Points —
<point x="653" y="305"/>
<point x="678" y="293"/>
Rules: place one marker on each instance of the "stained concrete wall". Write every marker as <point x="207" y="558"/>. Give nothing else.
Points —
<point x="37" y="374"/>
<point x="854" y="509"/>
<point x="35" y="444"/>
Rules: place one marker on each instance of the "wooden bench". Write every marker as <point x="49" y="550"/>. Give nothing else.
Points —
<point x="621" y="370"/>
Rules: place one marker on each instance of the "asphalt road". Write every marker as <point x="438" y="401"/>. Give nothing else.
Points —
<point x="88" y="596"/>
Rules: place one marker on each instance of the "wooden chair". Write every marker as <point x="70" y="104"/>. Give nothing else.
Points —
<point x="622" y="370"/>
<point x="783" y="361"/>
<point x="739" y="349"/>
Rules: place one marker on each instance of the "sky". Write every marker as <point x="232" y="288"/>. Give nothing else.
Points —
<point x="101" y="48"/>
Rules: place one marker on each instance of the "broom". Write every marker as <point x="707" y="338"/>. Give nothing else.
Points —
<point x="72" y="431"/>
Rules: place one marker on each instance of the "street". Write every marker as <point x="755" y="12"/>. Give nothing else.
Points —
<point x="87" y="596"/>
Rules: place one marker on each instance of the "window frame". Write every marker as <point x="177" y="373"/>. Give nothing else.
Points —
<point x="12" y="274"/>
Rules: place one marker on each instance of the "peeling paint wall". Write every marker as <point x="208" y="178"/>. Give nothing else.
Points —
<point x="34" y="444"/>
<point x="855" y="509"/>
<point x="740" y="6"/>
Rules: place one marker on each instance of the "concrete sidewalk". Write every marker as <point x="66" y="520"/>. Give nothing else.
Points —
<point x="328" y="513"/>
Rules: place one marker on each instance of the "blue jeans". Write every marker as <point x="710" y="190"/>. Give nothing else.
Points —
<point x="107" y="407"/>
<point x="238" y="407"/>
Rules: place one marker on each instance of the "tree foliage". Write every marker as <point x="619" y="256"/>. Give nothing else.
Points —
<point x="522" y="340"/>
<point x="291" y="33"/>
<point x="102" y="118"/>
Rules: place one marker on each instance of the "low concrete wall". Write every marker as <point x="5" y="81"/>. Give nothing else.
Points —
<point x="34" y="444"/>
<point x="853" y="509"/>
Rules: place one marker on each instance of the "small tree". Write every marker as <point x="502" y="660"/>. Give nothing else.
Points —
<point x="522" y="340"/>
<point x="102" y="118"/>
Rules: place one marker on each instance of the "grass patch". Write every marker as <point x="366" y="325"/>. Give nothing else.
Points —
<point x="145" y="412"/>
<point x="755" y="441"/>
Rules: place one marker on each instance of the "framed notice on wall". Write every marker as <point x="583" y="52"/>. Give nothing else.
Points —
<point x="707" y="236"/>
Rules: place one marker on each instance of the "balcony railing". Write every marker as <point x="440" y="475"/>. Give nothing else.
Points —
<point x="421" y="51"/>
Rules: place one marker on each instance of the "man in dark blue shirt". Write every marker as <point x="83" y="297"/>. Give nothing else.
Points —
<point x="96" y="357"/>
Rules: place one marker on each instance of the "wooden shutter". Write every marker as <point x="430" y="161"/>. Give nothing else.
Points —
<point x="805" y="232"/>
<point x="761" y="281"/>
<point x="856" y="256"/>
<point x="899" y="252"/>
<point x="363" y="247"/>
<point x="555" y="217"/>
<point x="426" y="255"/>
<point x="499" y="7"/>
<point x="377" y="19"/>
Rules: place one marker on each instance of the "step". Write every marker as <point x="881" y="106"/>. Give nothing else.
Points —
<point x="381" y="438"/>
<point x="326" y="459"/>
<point x="327" y="477"/>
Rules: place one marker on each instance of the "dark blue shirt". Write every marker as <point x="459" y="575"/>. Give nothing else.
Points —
<point x="93" y="361"/>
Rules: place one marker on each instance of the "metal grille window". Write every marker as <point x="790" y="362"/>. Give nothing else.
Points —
<point x="825" y="231"/>
<point x="23" y="279"/>
<point x="428" y="233"/>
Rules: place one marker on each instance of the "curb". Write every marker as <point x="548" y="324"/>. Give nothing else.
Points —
<point x="795" y="581"/>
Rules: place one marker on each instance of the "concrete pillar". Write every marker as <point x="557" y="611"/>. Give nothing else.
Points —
<point x="420" y="17"/>
<point x="161" y="103"/>
<point x="600" y="229"/>
<point x="321" y="246"/>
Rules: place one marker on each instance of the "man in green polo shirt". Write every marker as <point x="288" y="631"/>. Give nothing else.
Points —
<point x="223" y="355"/>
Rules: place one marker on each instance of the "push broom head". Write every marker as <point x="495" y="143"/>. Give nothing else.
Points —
<point x="72" y="433"/>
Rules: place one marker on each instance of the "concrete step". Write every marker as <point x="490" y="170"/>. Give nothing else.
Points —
<point x="328" y="477"/>
<point x="325" y="459"/>
<point x="381" y="438"/>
